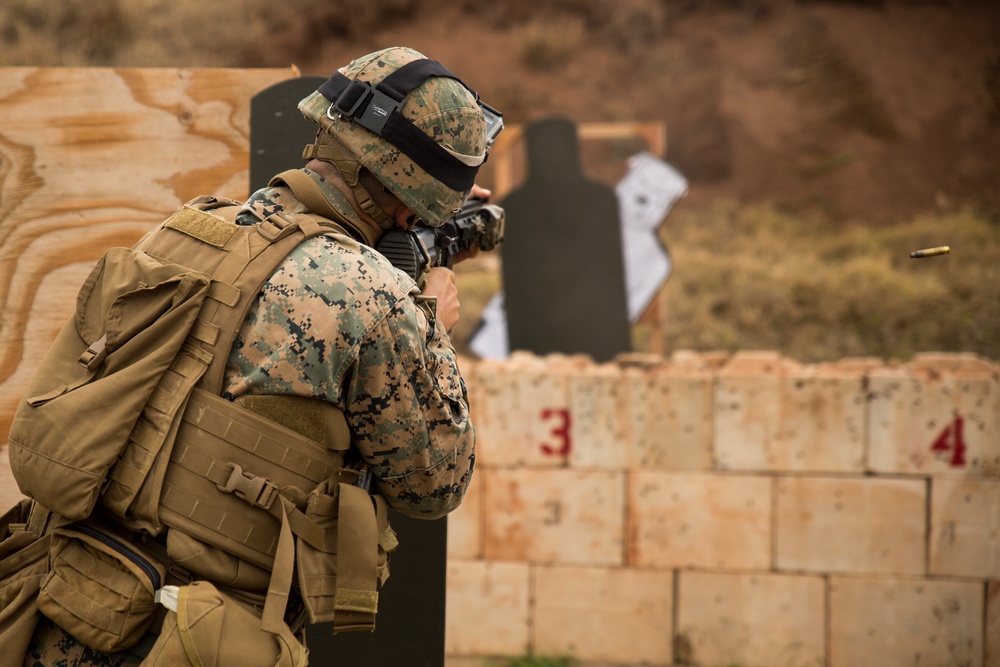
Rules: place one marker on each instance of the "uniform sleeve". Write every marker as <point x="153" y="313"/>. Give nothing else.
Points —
<point x="407" y="405"/>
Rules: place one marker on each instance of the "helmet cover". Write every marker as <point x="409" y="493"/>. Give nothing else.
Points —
<point x="441" y="107"/>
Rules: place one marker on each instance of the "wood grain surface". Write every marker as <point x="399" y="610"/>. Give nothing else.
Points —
<point x="92" y="158"/>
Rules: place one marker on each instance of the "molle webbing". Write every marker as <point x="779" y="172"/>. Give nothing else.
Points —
<point x="133" y="487"/>
<point x="222" y="447"/>
<point x="265" y="473"/>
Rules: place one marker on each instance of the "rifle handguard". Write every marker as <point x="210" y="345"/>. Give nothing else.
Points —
<point x="414" y="251"/>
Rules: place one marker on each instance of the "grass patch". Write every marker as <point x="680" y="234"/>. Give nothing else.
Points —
<point x="754" y="277"/>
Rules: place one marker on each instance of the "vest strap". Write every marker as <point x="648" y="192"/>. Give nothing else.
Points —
<point x="310" y="194"/>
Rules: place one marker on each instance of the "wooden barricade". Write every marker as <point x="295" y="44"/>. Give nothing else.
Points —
<point x="92" y="158"/>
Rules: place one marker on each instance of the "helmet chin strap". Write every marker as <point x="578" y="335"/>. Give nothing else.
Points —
<point x="350" y="170"/>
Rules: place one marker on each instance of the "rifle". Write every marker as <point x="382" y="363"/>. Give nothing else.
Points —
<point x="477" y="224"/>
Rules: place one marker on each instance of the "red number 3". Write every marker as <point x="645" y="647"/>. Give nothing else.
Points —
<point x="560" y="432"/>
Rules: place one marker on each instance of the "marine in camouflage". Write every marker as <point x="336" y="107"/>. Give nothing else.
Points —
<point x="338" y="322"/>
<point x="442" y="109"/>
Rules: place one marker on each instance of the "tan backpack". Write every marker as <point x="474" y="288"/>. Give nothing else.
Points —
<point x="124" y="414"/>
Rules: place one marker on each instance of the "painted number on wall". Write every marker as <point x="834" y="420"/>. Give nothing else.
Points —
<point x="560" y="432"/>
<point x="951" y="441"/>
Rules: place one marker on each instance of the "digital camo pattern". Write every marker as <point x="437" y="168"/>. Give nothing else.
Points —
<point x="441" y="107"/>
<point x="337" y="322"/>
<point x="51" y="646"/>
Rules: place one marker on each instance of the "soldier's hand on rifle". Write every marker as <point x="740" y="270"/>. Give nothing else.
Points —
<point x="439" y="282"/>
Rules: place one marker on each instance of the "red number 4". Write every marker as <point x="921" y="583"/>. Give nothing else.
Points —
<point x="952" y="440"/>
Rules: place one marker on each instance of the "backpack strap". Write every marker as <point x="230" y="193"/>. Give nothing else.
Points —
<point x="309" y="193"/>
<point x="244" y="258"/>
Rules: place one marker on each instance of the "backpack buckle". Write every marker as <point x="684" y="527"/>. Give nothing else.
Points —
<point x="256" y="491"/>
<point x="276" y="227"/>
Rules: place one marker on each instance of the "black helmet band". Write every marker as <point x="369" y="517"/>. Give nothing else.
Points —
<point x="377" y="109"/>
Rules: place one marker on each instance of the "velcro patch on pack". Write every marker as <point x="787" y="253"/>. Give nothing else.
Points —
<point x="203" y="226"/>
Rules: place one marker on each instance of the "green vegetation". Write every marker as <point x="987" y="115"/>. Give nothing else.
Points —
<point x="754" y="277"/>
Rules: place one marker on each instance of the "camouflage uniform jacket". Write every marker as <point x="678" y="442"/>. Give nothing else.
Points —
<point x="338" y="322"/>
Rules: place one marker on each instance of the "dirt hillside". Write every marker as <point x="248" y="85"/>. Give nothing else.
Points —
<point x="869" y="111"/>
<point x="866" y="110"/>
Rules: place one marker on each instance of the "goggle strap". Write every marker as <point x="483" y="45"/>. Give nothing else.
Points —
<point x="357" y="100"/>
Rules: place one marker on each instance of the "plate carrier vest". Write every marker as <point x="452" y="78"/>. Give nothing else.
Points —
<point x="124" y="417"/>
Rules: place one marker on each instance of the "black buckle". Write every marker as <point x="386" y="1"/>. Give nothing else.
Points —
<point x="377" y="106"/>
<point x="354" y="96"/>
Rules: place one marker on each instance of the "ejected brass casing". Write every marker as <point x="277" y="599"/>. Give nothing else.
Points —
<point x="930" y="252"/>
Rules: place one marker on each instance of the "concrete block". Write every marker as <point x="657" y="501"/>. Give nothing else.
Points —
<point x="863" y="526"/>
<point x="680" y="520"/>
<point x="751" y="619"/>
<point x="877" y="622"/>
<point x="465" y="524"/>
<point x="555" y="516"/>
<point x="953" y="362"/>
<point x="965" y="528"/>
<point x="470" y="373"/>
<point x="937" y="417"/>
<point x="775" y="415"/>
<point x="523" y="414"/>
<point x="823" y="420"/>
<point x="747" y="412"/>
<point x="600" y="437"/>
<point x="669" y="410"/>
<point x="604" y="614"/>
<point x="709" y="362"/>
<point x="487" y="609"/>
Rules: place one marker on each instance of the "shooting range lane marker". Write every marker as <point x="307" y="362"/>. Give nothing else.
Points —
<point x="930" y="252"/>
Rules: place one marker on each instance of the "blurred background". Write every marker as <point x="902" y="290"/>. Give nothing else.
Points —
<point x="822" y="140"/>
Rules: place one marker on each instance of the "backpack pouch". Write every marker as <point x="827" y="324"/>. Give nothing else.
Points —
<point x="23" y="564"/>
<point x="100" y="587"/>
<point x="339" y="579"/>
<point x="212" y="629"/>
<point x="133" y="314"/>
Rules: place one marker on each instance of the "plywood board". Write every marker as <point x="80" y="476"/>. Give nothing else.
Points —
<point x="92" y="158"/>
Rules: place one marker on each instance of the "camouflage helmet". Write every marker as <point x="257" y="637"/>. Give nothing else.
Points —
<point x="418" y="129"/>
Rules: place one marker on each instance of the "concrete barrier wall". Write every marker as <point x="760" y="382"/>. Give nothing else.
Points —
<point x="731" y="511"/>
